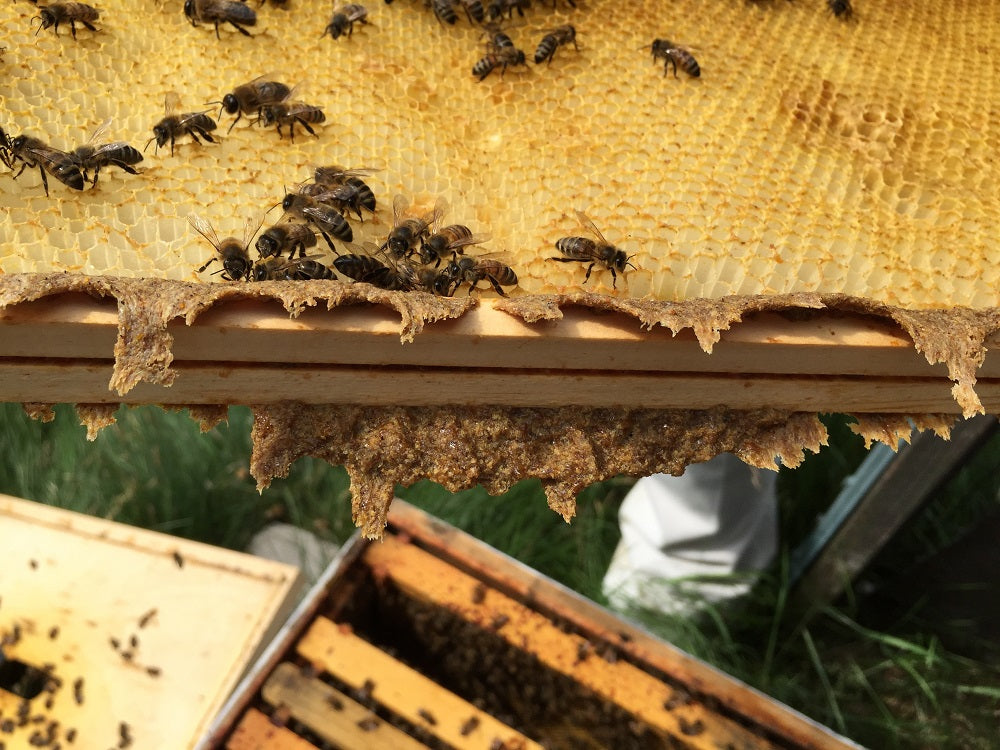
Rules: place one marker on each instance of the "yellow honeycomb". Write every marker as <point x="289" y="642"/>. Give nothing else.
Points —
<point x="811" y="155"/>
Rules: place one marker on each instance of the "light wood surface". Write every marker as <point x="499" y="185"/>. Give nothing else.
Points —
<point x="428" y="579"/>
<point x="403" y="690"/>
<point x="331" y="714"/>
<point x="60" y="349"/>
<point x="199" y="623"/>
<point x="257" y="732"/>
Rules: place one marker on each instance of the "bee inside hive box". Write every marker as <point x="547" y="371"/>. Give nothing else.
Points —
<point x="802" y="158"/>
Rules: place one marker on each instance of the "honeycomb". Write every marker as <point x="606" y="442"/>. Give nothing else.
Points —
<point x="811" y="154"/>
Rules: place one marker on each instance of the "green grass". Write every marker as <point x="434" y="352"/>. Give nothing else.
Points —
<point x="896" y="688"/>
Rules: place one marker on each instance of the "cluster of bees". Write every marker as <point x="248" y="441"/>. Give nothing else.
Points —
<point x="71" y="168"/>
<point x="269" y="101"/>
<point x="418" y="253"/>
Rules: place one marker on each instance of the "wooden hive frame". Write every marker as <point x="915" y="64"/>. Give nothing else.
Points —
<point x="61" y="349"/>
<point x="679" y="696"/>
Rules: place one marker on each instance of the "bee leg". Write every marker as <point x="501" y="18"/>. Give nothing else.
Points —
<point x="589" y="269"/>
<point x="208" y="263"/>
<point x="127" y="167"/>
<point x="206" y="135"/>
<point x="45" y="180"/>
<point x="672" y="62"/>
<point x="614" y="278"/>
<point x="328" y="241"/>
<point x="89" y="25"/>
<point x="217" y="31"/>
<point x="72" y="27"/>
<point x="307" y="126"/>
<point x="496" y="285"/>
<point x="236" y="26"/>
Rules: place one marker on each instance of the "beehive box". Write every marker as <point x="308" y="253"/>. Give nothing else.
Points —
<point x="111" y="620"/>
<point x="432" y="639"/>
<point x="828" y="204"/>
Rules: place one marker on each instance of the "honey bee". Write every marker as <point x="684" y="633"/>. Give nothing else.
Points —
<point x="93" y="157"/>
<point x="54" y="14"/>
<point x="286" y="237"/>
<point x="842" y="9"/>
<point x="444" y="11"/>
<point x="583" y="250"/>
<point x="406" y="233"/>
<point x="250" y="97"/>
<point x="33" y="152"/>
<point x="236" y="14"/>
<point x="497" y="8"/>
<point x="430" y="280"/>
<point x="353" y="195"/>
<point x="306" y="269"/>
<point x="370" y="270"/>
<point x="474" y="10"/>
<point x="553" y="40"/>
<point x="174" y="125"/>
<point x="497" y="39"/>
<point x="674" y="56"/>
<point x="231" y="252"/>
<point x="321" y="215"/>
<point x="474" y="270"/>
<point x="280" y="269"/>
<point x="451" y="239"/>
<point x="502" y="58"/>
<point x="345" y="18"/>
<point x="288" y="113"/>
<point x="338" y="175"/>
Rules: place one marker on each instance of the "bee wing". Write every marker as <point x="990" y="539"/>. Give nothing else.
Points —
<point x="293" y="108"/>
<point x="440" y="208"/>
<point x="498" y="255"/>
<point x="251" y="226"/>
<point x="319" y="213"/>
<point x="99" y="132"/>
<point x="171" y="102"/>
<point x="399" y="205"/>
<point x="368" y="248"/>
<point x="203" y="228"/>
<point x="271" y="75"/>
<point x="588" y="224"/>
<point x="476" y="239"/>
<point x="188" y="116"/>
<point x="335" y="170"/>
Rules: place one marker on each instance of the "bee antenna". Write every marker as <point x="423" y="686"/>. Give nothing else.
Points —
<point x="147" y="144"/>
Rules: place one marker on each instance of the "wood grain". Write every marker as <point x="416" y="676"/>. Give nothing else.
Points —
<point x="60" y="349"/>
<point x="403" y="690"/>
<point x="506" y="574"/>
<point x="331" y="714"/>
<point x="256" y="732"/>
<point x="95" y="580"/>
<point x="428" y="579"/>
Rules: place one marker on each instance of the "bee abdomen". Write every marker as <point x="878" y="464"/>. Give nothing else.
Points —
<point x="578" y="248"/>
<point x="546" y="49"/>
<point x="688" y="64"/>
<point x="445" y="11"/>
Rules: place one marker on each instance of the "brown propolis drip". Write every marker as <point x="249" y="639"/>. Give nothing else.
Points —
<point x="567" y="448"/>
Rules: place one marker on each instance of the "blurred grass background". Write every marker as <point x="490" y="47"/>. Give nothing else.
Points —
<point x="890" y="686"/>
